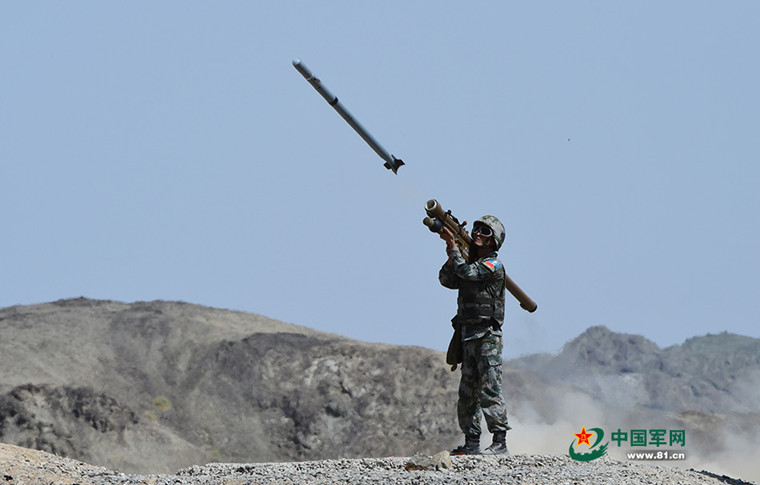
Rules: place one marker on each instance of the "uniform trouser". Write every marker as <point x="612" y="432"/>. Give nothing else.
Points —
<point x="480" y="386"/>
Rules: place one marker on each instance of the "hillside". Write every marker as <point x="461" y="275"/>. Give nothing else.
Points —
<point x="708" y="374"/>
<point x="158" y="386"/>
<point x="153" y="387"/>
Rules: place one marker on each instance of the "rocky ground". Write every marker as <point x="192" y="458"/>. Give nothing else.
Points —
<point x="23" y="466"/>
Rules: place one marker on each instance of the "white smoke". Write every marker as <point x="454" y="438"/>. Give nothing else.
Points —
<point x="723" y="445"/>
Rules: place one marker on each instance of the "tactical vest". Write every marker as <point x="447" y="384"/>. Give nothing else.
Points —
<point x="482" y="301"/>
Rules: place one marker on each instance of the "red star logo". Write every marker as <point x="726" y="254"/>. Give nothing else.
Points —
<point x="583" y="437"/>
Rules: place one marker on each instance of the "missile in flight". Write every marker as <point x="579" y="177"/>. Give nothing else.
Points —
<point x="391" y="162"/>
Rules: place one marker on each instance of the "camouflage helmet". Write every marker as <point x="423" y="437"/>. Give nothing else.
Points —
<point x="499" y="233"/>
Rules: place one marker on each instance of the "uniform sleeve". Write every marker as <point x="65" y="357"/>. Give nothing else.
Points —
<point x="483" y="269"/>
<point x="447" y="277"/>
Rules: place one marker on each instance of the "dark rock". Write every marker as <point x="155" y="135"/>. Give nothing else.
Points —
<point x="213" y="385"/>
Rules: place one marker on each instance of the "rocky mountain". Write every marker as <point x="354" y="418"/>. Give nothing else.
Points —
<point x="709" y="374"/>
<point x="157" y="386"/>
<point x="152" y="387"/>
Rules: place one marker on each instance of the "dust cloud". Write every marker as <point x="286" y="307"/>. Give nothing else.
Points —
<point x="720" y="444"/>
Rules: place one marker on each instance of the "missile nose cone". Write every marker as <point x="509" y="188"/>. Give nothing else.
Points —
<point x="296" y="62"/>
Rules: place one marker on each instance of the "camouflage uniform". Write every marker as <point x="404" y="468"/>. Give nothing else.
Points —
<point x="481" y="315"/>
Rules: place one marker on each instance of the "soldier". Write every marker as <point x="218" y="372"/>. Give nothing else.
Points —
<point x="480" y="315"/>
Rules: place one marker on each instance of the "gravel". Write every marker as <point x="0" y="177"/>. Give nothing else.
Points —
<point x="22" y="466"/>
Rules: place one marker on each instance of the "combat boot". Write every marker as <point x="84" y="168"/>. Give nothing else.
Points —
<point x="499" y="445"/>
<point x="471" y="446"/>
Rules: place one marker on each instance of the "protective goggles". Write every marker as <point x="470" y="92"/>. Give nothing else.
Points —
<point x="483" y="230"/>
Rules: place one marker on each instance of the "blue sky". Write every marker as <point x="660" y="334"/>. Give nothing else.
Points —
<point x="169" y="150"/>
